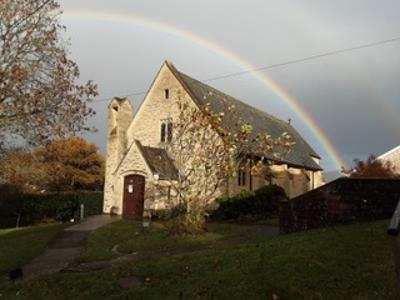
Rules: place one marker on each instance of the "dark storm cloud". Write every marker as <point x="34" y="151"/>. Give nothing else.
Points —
<point x="354" y="97"/>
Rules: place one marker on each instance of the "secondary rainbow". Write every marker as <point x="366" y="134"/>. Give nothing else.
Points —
<point x="226" y="54"/>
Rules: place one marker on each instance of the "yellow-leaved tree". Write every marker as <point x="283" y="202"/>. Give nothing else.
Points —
<point x="71" y="164"/>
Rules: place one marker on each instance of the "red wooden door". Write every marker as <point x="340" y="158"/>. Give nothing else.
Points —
<point x="133" y="196"/>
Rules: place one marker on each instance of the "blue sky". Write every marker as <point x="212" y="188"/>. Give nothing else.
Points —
<point x="353" y="97"/>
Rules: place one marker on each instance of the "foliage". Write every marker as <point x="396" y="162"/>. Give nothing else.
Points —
<point x="167" y="214"/>
<point x="19" y="246"/>
<point x="208" y="147"/>
<point x="30" y="209"/>
<point x="372" y="167"/>
<point x="260" y="204"/>
<point x="72" y="164"/>
<point x="268" y="191"/>
<point x="62" y="165"/>
<point x="92" y="201"/>
<point x="58" y="207"/>
<point x="39" y="96"/>
<point x="11" y="206"/>
<point x="344" y="262"/>
<point x="21" y="169"/>
<point x="342" y="201"/>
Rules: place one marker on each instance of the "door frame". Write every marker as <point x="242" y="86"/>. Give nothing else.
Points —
<point x="123" y="177"/>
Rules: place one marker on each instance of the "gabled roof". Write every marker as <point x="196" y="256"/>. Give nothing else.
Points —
<point x="301" y="153"/>
<point x="158" y="161"/>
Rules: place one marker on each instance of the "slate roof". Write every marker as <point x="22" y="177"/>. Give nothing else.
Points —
<point x="159" y="162"/>
<point x="301" y="153"/>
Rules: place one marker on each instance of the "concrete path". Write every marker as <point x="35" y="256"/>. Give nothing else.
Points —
<point x="67" y="247"/>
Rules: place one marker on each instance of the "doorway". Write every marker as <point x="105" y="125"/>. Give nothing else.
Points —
<point x="133" y="200"/>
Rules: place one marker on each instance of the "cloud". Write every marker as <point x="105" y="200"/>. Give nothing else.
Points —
<point x="354" y="97"/>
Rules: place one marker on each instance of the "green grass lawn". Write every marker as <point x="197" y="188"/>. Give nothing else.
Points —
<point x="18" y="246"/>
<point x="131" y="237"/>
<point x="344" y="262"/>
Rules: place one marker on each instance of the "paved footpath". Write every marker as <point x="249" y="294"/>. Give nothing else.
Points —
<point x="67" y="247"/>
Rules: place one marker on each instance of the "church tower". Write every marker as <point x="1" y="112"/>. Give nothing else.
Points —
<point x="120" y="115"/>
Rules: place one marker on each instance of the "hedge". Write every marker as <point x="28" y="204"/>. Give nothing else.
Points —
<point x="27" y="209"/>
<point x="260" y="204"/>
<point x="342" y="201"/>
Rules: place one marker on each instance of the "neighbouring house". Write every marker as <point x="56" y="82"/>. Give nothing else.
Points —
<point x="393" y="156"/>
<point x="136" y="155"/>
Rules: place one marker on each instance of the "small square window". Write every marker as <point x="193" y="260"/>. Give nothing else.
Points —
<point x="166" y="93"/>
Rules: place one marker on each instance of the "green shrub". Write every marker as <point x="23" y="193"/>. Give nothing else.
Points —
<point x="260" y="204"/>
<point x="11" y="204"/>
<point x="93" y="202"/>
<point x="61" y="207"/>
<point x="270" y="191"/>
<point x="231" y="208"/>
<point x="167" y="214"/>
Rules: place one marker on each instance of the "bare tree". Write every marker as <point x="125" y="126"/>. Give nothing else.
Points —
<point x="39" y="96"/>
<point x="209" y="147"/>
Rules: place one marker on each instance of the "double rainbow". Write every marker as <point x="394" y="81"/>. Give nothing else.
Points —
<point x="224" y="53"/>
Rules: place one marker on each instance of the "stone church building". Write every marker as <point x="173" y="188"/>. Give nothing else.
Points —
<point x="136" y="155"/>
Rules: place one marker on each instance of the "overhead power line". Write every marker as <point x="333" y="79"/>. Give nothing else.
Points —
<point x="300" y="60"/>
<point x="289" y="62"/>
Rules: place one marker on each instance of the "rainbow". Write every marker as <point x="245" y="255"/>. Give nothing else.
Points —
<point x="226" y="54"/>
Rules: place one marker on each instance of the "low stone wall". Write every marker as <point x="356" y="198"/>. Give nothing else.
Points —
<point x="342" y="201"/>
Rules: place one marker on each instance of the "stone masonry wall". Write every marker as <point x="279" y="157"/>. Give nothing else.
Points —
<point x="145" y="127"/>
<point x="294" y="181"/>
<point x="155" y="108"/>
<point x="120" y="114"/>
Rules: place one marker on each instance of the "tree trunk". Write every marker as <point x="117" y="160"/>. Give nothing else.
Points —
<point x="194" y="221"/>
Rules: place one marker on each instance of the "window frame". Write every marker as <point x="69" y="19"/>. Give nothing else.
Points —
<point x="241" y="178"/>
<point x="169" y="131"/>
<point x="163" y="130"/>
<point x="166" y="130"/>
